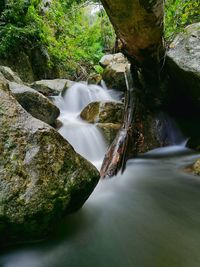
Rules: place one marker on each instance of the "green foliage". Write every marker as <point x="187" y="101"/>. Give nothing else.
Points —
<point x="179" y="14"/>
<point x="71" y="35"/>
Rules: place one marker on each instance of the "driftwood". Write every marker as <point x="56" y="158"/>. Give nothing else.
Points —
<point x="115" y="158"/>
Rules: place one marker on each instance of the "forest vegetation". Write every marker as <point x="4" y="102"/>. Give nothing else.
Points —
<point x="70" y="34"/>
<point x="51" y="104"/>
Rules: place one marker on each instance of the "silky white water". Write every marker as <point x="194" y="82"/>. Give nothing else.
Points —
<point x="85" y="138"/>
<point x="149" y="216"/>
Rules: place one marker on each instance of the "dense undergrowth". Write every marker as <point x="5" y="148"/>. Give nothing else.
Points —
<point x="69" y="33"/>
<point x="179" y="14"/>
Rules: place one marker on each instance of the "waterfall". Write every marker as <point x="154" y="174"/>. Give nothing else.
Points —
<point x="86" y="138"/>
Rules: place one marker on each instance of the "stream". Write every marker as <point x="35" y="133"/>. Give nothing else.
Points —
<point x="149" y="216"/>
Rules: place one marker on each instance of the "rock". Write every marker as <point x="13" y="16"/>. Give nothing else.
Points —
<point x="196" y="167"/>
<point x="107" y="115"/>
<point x="183" y="62"/>
<point x="103" y="112"/>
<point x="9" y="75"/>
<point x="35" y="103"/>
<point x="114" y="72"/>
<point x="20" y="63"/>
<point x="52" y="87"/>
<point x="41" y="177"/>
<point x="107" y="60"/>
<point x="109" y="131"/>
<point x="94" y="79"/>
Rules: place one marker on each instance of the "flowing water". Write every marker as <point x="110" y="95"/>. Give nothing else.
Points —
<point x="86" y="138"/>
<point x="147" y="217"/>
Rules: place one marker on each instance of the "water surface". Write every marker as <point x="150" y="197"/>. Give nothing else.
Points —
<point x="147" y="217"/>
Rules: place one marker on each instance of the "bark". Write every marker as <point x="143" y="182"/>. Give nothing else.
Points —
<point x="139" y="26"/>
<point x="116" y="156"/>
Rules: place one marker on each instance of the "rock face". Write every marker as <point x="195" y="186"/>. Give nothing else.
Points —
<point x="35" y="103"/>
<point x="107" y="115"/>
<point x="94" y="79"/>
<point x="196" y="167"/>
<point x="110" y="59"/>
<point x="41" y="177"/>
<point x="103" y="112"/>
<point x="114" y="72"/>
<point x="8" y="74"/>
<point x="183" y="62"/>
<point x="109" y="131"/>
<point x="52" y="87"/>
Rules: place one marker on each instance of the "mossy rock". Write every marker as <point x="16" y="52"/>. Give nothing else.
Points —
<point x="183" y="64"/>
<point x="196" y="167"/>
<point x="42" y="177"/>
<point x="103" y="112"/>
<point x="35" y="103"/>
<point x="8" y="74"/>
<point x="109" y="131"/>
<point x="52" y="87"/>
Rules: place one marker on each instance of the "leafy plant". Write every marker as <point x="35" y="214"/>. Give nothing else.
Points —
<point x="72" y="36"/>
<point x="179" y="14"/>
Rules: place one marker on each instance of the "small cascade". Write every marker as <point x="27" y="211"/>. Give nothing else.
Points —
<point x="169" y="130"/>
<point x="86" y="138"/>
<point x="80" y="95"/>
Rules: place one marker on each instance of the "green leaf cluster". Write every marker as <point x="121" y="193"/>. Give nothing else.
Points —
<point x="71" y="35"/>
<point x="179" y="14"/>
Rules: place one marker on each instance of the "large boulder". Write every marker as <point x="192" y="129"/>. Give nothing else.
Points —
<point x="114" y="72"/>
<point x="183" y="63"/>
<point x="103" y="112"/>
<point x="8" y="74"/>
<point x="41" y="177"/>
<point x="52" y="87"/>
<point x="35" y="103"/>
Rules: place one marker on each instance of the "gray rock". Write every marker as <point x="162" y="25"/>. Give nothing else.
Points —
<point x="114" y="72"/>
<point x="109" y="59"/>
<point x="35" y="103"/>
<point x="9" y="75"/>
<point x="52" y="87"/>
<point x="41" y="177"/>
<point x="103" y="112"/>
<point x="183" y="62"/>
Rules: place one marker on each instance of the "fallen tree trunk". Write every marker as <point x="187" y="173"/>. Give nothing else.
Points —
<point x="139" y="26"/>
<point x="116" y="156"/>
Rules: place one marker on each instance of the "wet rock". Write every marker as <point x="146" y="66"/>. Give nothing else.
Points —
<point x="183" y="63"/>
<point x="8" y="74"/>
<point x="196" y="167"/>
<point x="114" y="72"/>
<point x="35" y="103"/>
<point x="109" y="131"/>
<point x="52" y="87"/>
<point x="41" y="177"/>
<point x="103" y="112"/>
<point x="94" y="79"/>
